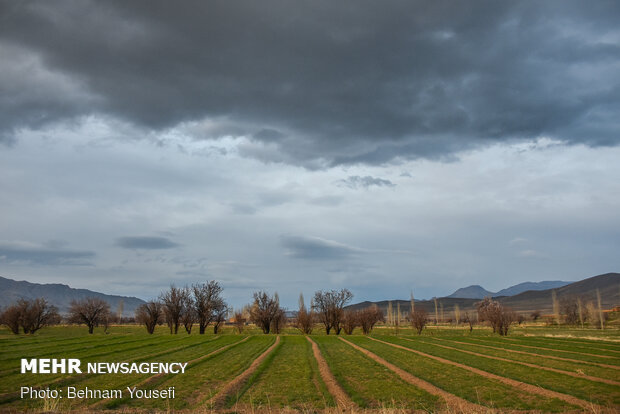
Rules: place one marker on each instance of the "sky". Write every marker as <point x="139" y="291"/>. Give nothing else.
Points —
<point x="293" y="146"/>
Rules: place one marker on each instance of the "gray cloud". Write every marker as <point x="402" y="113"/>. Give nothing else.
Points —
<point x="33" y="254"/>
<point x="316" y="248"/>
<point x="355" y="182"/>
<point x="147" y="243"/>
<point x="321" y="83"/>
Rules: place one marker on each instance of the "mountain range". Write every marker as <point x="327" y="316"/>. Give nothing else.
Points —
<point x="478" y="292"/>
<point x="607" y="285"/>
<point x="60" y="295"/>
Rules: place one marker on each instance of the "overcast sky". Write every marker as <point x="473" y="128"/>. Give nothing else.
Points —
<point x="293" y="146"/>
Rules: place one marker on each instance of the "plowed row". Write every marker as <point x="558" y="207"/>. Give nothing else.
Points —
<point x="351" y="373"/>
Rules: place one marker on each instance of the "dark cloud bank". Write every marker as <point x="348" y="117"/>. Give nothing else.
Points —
<point x="148" y="243"/>
<point x="322" y="83"/>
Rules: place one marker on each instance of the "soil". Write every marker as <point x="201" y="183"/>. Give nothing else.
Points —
<point x="533" y="354"/>
<point x="454" y="403"/>
<point x="513" y="383"/>
<point x="217" y="401"/>
<point x="341" y="398"/>
<point x="559" y="371"/>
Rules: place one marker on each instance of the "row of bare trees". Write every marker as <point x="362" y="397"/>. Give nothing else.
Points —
<point x="200" y="304"/>
<point x="29" y="315"/>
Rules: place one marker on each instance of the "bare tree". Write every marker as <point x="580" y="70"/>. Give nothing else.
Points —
<point x="174" y="302"/>
<point x="369" y="317"/>
<point x="570" y="311"/>
<point x="90" y="311"/>
<point x="219" y="317"/>
<point x="149" y="314"/>
<point x="264" y="310"/>
<point x="208" y="303"/>
<point x="188" y="316"/>
<point x="36" y="314"/>
<point x="10" y="317"/>
<point x="498" y="316"/>
<point x="350" y="321"/>
<point x="329" y="306"/>
<point x="419" y="319"/>
<point x="305" y="318"/>
<point x="469" y="321"/>
<point x="279" y="320"/>
<point x="535" y="315"/>
<point x="239" y="321"/>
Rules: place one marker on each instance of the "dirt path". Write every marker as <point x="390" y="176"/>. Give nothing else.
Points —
<point x="454" y="403"/>
<point x="513" y="383"/>
<point x="342" y="399"/>
<point x="578" y="361"/>
<point x="554" y="350"/>
<point x="527" y="364"/>
<point x="218" y="400"/>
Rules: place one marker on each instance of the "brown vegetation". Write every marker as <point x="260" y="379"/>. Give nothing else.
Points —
<point x="90" y="311"/>
<point x="266" y="312"/>
<point x="30" y="315"/>
<point x="329" y="306"/>
<point x="149" y="314"/>
<point x="305" y="319"/>
<point x="497" y="315"/>
<point x="369" y="317"/>
<point x="418" y="319"/>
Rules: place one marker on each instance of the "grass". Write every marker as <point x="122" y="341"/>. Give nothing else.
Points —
<point x="460" y="382"/>
<point x="370" y="384"/>
<point x="289" y="377"/>
<point x="584" y="389"/>
<point x="576" y="367"/>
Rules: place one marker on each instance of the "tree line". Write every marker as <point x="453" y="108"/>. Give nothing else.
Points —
<point x="202" y="305"/>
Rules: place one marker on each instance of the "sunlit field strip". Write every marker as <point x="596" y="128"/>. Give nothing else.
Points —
<point x="564" y="371"/>
<point x="575" y="366"/>
<point x="559" y="348"/>
<point x="460" y="382"/>
<point x="597" y="393"/>
<point x="370" y="384"/>
<point x="603" y="349"/>
<point x="291" y="379"/>
<point x="545" y="351"/>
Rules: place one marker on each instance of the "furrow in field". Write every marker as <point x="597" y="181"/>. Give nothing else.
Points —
<point x="514" y="383"/>
<point x="342" y="399"/>
<point x="554" y="349"/>
<point x="157" y="379"/>
<point x="559" y="371"/>
<point x="597" y="344"/>
<point x="578" y="345"/>
<point x="219" y="398"/>
<point x="452" y="401"/>
<point x="576" y="361"/>
<point x="78" y="378"/>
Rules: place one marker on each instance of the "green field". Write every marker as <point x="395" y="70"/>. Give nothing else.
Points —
<point x="534" y="369"/>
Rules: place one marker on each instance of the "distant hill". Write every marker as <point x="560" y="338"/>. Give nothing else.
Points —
<point x="607" y="284"/>
<point x="525" y="286"/>
<point x="478" y="292"/>
<point x="471" y="292"/>
<point x="60" y="295"/>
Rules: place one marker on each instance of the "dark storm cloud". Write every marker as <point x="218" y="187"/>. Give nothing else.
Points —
<point x="26" y="253"/>
<point x="355" y="182"/>
<point x="338" y="82"/>
<point x="316" y="248"/>
<point x="148" y="243"/>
